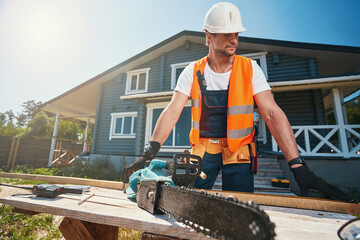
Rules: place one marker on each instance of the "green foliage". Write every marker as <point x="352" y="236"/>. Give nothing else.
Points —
<point x="34" y="122"/>
<point x="10" y="130"/>
<point x="39" y="171"/>
<point x="101" y="168"/>
<point x="18" y="181"/>
<point x="31" y="108"/>
<point x="69" y="130"/>
<point x="129" y="234"/>
<point x="40" y="125"/>
<point x="19" y="226"/>
<point x="353" y="112"/>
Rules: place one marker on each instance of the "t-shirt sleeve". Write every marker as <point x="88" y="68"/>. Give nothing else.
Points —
<point x="259" y="83"/>
<point x="185" y="80"/>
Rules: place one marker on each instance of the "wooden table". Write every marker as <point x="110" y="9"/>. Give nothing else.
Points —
<point x="100" y="216"/>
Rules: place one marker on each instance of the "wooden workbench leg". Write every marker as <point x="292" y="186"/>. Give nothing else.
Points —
<point x="80" y="230"/>
<point x="151" y="236"/>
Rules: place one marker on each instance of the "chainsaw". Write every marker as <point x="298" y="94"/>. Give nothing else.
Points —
<point x="165" y="187"/>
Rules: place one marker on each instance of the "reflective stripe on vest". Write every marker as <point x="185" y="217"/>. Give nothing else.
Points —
<point x="240" y="123"/>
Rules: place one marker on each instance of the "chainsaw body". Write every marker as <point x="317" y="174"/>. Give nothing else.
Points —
<point x="184" y="167"/>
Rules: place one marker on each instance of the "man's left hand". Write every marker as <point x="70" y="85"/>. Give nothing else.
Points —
<point x="307" y="179"/>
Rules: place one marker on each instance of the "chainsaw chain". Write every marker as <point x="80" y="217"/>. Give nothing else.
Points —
<point x="206" y="231"/>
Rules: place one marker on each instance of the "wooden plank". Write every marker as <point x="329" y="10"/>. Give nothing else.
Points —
<point x="10" y="154"/>
<point x="294" y="202"/>
<point x="73" y="229"/>
<point x="66" y="180"/>
<point x="102" y="231"/>
<point x="27" y="212"/>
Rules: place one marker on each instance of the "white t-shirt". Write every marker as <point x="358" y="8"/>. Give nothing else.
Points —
<point x="219" y="81"/>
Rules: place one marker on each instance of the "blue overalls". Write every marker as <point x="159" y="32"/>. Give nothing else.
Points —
<point x="213" y="124"/>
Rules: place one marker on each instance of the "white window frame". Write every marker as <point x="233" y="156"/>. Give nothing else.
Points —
<point x="136" y="72"/>
<point x="122" y="115"/>
<point x="173" y="71"/>
<point x="148" y="133"/>
<point x="262" y="57"/>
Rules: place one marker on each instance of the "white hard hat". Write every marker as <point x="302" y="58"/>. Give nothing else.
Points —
<point x="223" y="17"/>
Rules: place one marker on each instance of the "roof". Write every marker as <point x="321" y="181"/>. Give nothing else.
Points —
<point x="81" y="101"/>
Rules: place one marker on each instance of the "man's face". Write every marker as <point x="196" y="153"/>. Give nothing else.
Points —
<point x="224" y="44"/>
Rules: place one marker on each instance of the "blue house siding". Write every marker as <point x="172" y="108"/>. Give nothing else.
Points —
<point x="111" y="103"/>
<point x="301" y="108"/>
<point x="180" y="55"/>
<point x="286" y="68"/>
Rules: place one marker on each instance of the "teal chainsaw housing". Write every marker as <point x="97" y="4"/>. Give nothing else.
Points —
<point x="153" y="172"/>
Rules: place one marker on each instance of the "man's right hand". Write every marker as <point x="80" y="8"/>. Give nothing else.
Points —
<point x="149" y="153"/>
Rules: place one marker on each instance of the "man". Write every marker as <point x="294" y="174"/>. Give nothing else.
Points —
<point x="223" y="87"/>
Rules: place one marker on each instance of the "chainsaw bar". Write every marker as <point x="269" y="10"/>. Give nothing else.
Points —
<point x="212" y="214"/>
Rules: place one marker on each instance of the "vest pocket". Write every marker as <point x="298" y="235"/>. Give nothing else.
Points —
<point x="216" y="99"/>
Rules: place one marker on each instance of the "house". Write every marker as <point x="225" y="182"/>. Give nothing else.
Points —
<point x="125" y="101"/>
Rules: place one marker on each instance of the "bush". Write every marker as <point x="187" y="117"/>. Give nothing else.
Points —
<point x="101" y="168"/>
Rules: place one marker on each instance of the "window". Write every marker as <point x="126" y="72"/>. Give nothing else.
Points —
<point x="259" y="122"/>
<point x="137" y="81"/>
<point x="179" y="136"/>
<point x="123" y="125"/>
<point x="260" y="58"/>
<point x="176" y="70"/>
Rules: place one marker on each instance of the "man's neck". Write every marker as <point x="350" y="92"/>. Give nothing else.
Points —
<point x="220" y="64"/>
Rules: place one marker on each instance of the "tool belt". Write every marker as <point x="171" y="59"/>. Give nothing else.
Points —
<point x="245" y="154"/>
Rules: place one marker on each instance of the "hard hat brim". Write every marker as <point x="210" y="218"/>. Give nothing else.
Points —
<point x="223" y="30"/>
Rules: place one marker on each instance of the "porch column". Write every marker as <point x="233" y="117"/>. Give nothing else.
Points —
<point x="340" y="117"/>
<point x="53" y="140"/>
<point x="86" y="134"/>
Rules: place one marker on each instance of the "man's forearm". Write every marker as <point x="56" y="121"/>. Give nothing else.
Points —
<point x="281" y="130"/>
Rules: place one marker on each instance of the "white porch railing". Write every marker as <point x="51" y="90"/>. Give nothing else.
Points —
<point x="326" y="140"/>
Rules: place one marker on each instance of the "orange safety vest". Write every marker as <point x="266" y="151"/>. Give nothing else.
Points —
<point x="240" y="122"/>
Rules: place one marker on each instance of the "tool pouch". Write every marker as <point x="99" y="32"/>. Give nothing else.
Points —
<point x="242" y="155"/>
<point x="215" y="146"/>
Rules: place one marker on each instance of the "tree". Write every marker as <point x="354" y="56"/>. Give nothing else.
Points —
<point x="32" y="122"/>
<point x="31" y="108"/>
<point x="39" y="126"/>
<point x="7" y="127"/>
<point x="69" y="130"/>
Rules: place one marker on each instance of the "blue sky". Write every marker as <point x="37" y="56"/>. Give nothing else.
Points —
<point x="48" y="47"/>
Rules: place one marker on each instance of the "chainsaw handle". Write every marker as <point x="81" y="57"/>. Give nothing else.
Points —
<point x="133" y="183"/>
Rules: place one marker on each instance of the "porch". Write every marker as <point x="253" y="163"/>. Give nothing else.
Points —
<point x="341" y="140"/>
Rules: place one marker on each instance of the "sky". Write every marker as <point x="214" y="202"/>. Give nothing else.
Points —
<point x="48" y="47"/>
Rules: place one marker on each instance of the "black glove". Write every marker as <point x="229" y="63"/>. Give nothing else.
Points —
<point x="307" y="179"/>
<point x="149" y="153"/>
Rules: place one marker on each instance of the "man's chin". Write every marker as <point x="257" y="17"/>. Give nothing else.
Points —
<point x="225" y="53"/>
